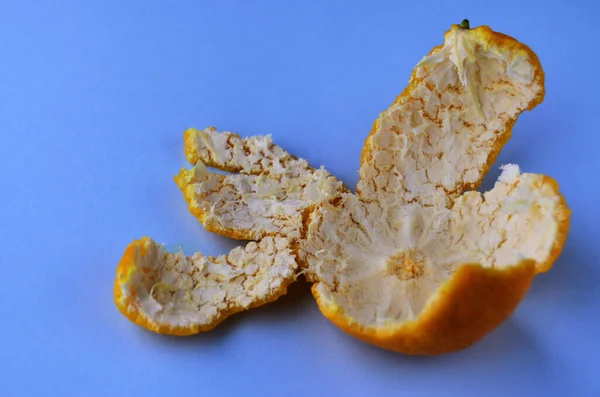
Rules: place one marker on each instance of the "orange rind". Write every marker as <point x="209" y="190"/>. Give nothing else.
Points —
<point x="429" y="280"/>
<point x="267" y="202"/>
<point x="416" y="261"/>
<point x="442" y="134"/>
<point x="271" y="195"/>
<point x="170" y="293"/>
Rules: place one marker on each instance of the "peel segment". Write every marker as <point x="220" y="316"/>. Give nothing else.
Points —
<point x="170" y="293"/>
<point x="267" y="202"/>
<point x="472" y="303"/>
<point x="439" y="113"/>
<point x="271" y="195"/>
<point x="460" y="121"/>
<point x="420" y="295"/>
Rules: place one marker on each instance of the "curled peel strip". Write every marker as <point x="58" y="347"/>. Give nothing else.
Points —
<point x="270" y="196"/>
<point x="175" y="294"/>
<point x="414" y="262"/>
<point x="268" y="202"/>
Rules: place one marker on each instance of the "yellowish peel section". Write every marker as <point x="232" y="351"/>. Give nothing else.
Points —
<point x="466" y="307"/>
<point x="170" y="293"/>
<point x="382" y="263"/>
<point x="271" y="198"/>
<point x="268" y="201"/>
<point x="441" y="135"/>
<point x="382" y="256"/>
<point x="410" y="263"/>
<point x="527" y="215"/>
<point x="251" y="155"/>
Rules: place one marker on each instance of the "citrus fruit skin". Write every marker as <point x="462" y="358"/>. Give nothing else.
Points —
<point x="472" y="303"/>
<point x="201" y="292"/>
<point x="482" y="37"/>
<point x="415" y="262"/>
<point x="269" y="193"/>
<point x="563" y="217"/>
<point x="425" y="298"/>
<point x="266" y="200"/>
<point x="127" y="305"/>
<point x="446" y="301"/>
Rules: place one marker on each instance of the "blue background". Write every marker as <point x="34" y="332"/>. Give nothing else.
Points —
<point x="94" y="98"/>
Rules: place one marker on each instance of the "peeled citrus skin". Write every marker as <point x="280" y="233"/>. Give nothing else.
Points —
<point x="126" y="305"/>
<point x="173" y="294"/>
<point x="486" y="40"/>
<point x="448" y="132"/>
<point x="415" y="262"/>
<point x="472" y="303"/>
<point x="268" y="194"/>
<point x="563" y="216"/>
<point x="447" y="301"/>
<point x="265" y="201"/>
<point x="492" y="39"/>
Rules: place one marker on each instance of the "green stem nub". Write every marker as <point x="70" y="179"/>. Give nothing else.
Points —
<point x="465" y="24"/>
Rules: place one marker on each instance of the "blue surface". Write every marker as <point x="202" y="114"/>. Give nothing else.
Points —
<point x="94" y="99"/>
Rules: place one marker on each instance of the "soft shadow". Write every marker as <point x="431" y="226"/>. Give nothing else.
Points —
<point x="285" y="309"/>
<point x="509" y="340"/>
<point x="288" y="308"/>
<point x="212" y="339"/>
<point x="494" y="352"/>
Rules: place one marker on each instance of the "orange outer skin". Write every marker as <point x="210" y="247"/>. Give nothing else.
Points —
<point x="473" y="302"/>
<point x="188" y="149"/>
<point x="184" y="178"/>
<point x="127" y="307"/>
<point x="488" y="38"/>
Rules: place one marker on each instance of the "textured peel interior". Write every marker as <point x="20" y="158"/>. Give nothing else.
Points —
<point x="381" y="255"/>
<point x="267" y="202"/>
<point x="174" y="290"/>
<point x="383" y="263"/>
<point x="252" y="155"/>
<point x="270" y="197"/>
<point x="438" y="140"/>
